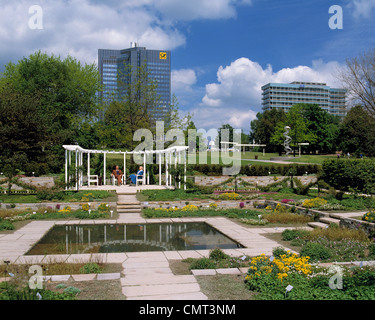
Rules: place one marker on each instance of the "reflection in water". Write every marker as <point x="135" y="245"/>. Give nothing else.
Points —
<point x="131" y="238"/>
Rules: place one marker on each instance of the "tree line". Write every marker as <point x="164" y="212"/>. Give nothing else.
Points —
<point x="47" y="102"/>
<point x="325" y="133"/>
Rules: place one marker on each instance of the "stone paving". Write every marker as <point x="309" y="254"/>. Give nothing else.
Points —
<point x="146" y="275"/>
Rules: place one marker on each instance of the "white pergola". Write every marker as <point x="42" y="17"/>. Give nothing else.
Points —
<point x="235" y="144"/>
<point x="172" y="155"/>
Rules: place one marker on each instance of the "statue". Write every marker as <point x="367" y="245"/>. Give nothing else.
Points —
<point x="287" y="147"/>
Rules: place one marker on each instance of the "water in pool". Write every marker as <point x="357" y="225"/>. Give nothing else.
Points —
<point x="105" y="238"/>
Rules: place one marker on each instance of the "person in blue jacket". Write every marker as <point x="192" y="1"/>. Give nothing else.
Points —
<point x="133" y="177"/>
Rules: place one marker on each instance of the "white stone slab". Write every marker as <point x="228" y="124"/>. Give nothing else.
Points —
<point x="203" y="272"/>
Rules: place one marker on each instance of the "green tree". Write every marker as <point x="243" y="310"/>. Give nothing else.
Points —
<point x="357" y="133"/>
<point x="67" y="91"/>
<point x="22" y="133"/>
<point x="323" y="125"/>
<point x="221" y="138"/>
<point x="263" y="128"/>
<point x="299" y="132"/>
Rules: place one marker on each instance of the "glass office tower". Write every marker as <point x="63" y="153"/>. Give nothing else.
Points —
<point x="285" y="95"/>
<point x="115" y="65"/>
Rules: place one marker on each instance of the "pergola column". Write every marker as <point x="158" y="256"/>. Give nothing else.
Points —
<point x="88" y="169"/>
<point x="144" y="167"/>
<point x="166" y="171"/>
<point x="159" y="168"/>
<point x="66" y="169"/>
<point x="124" y="168"/>
<point x="76" y="170"/>
<point x="104" y="169"/>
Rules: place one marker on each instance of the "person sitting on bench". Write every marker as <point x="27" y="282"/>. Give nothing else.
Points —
<point x="117" y="173"/>
<point x="133" y="177"/>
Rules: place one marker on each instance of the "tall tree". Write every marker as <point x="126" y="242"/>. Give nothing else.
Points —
<point x="357" y="133"/>
<point x="263" y="128"/>
<point x="359" y="78"/>
<point x="67" y="91"/>
<point x="21" y="131"/>
<point x="323" y="125"/>
<point x="299" y="132"/>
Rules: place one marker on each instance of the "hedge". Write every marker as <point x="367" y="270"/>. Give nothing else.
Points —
<point x="349" y="175"/>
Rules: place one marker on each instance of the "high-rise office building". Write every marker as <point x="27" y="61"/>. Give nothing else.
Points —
<point x="114" y="66"/>
<point x="285" y="95"/>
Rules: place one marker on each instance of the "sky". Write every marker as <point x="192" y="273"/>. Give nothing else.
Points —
<point x="223" y="51"/>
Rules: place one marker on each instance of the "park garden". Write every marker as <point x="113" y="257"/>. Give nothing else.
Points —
<point x="47" y="102"/>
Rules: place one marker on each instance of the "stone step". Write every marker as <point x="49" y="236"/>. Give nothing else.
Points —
<point x="330" y="220"/>
<point x="130" y="206"/>
<point x="318" y="225"/>
<point x="128" y="203"/>
<point x="126" y="193"/>
<point x="129" y="210"/>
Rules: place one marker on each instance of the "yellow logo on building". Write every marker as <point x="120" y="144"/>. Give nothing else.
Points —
<point x="163" y="55"/>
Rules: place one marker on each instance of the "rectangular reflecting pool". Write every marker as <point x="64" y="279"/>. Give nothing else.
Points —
<point x="106" y="238"/>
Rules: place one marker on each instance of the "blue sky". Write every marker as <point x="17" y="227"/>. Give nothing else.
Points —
<point x="223" y="51"/>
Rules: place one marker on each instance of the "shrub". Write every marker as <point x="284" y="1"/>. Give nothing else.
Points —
<point x="315" y="251"/>
<point x="6" y="225"/>
<point x="278" y="251"/>
<point x="280" y="209"/>
<point x="289" y="235"/>
<point x="347" y="175"/>
<point x="314" y="203"/>
<point x="279" y="268"/>
<point x="203" y="263"/>
<point x="72" y="290"/>
<point x="67" y="209"/>
<point x="217" y="254"/>
<point x="229" y="196"/>
<point x="190" y="207"/>
<point x="85" y="207"/>
<point x="103" y="207"/>
<point x="213" y="205"/>
<point x="90" y="268"/>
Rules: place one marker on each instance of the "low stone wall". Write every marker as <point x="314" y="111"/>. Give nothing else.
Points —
<point x="351" y="223"/>
<point x="254" y="180"/>
<point x="47" y="182"/>
<point x="53" y="205"/>
<point x="221" y="204"/>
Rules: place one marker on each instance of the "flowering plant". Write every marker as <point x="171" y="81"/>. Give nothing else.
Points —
<point x="67" y="209"/>
<point x="369" y="216"/>
<point x="280" y="267"/>
<point x="103" y="207"/>
<point x="190" y="207"/>
<point x="314" y="203"/>
<point x="229" y="196"/>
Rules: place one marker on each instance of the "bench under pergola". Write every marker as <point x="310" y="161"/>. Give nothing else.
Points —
<point x="172" y="156"/>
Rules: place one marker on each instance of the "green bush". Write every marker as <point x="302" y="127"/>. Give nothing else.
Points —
<point x="12" y="292"/>
<point x="291" y="234"/>
<point x="316" y="251"/>
<point x="347" y="175"/>
<point x="6" y="225"/>
<point x="90" y="268"/>
<point x="72" y="290"/>
<point x="203" y="263"/>
<point x="278" y="252"/>
<point x="217" y="254"/>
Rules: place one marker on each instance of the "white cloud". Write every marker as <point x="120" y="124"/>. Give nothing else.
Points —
<point x="239" y="84"/>
<point x="183" y="79"/>
<point x="80" y="27"/>
<point x="362" y="8"/>
<point x="236" y="96"/>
